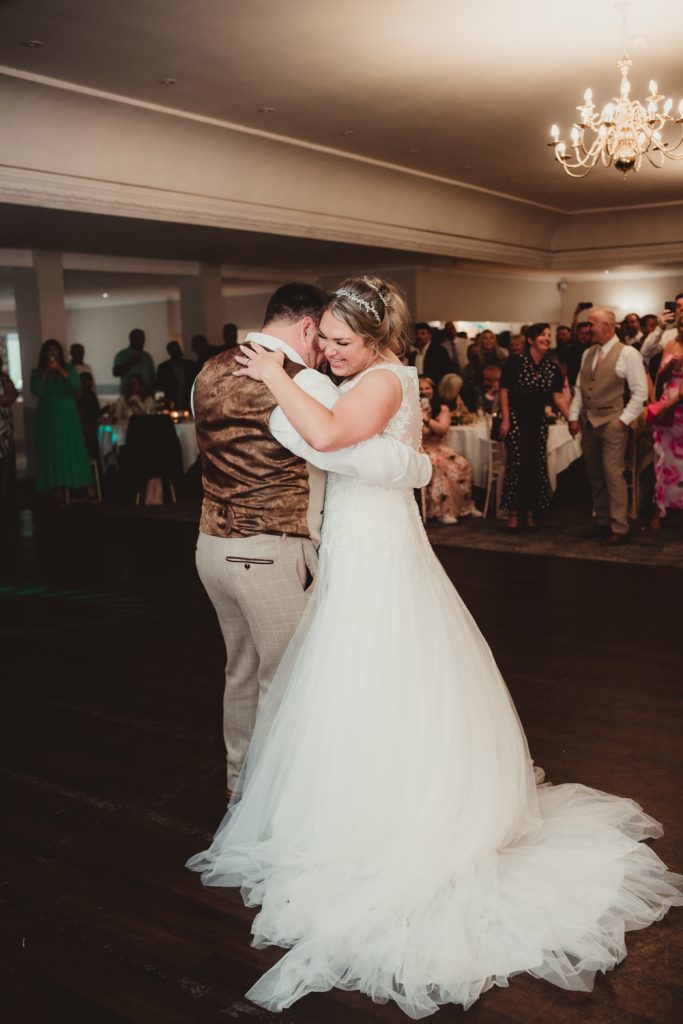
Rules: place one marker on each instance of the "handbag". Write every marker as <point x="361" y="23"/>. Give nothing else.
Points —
<point x="659" y="414"/>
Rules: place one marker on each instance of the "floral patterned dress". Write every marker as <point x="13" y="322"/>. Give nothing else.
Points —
<point x="668" y="445"/>
<point x="449" y="492"/>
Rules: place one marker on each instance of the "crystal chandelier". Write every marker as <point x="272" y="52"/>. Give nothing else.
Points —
<point x="623" y="132"/>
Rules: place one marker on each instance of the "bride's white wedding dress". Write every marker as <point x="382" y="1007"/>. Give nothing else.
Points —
<point x="390" y="826"/>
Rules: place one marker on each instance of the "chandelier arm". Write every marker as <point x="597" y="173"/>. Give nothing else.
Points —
<point x="655" y="163"/>
<point x="625" y="130"/>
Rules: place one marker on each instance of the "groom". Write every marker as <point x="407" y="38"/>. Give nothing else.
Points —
<point x="263" y="499"/>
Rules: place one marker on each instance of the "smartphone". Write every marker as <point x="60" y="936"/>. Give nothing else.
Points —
<point x="585" y="305"/>
<point x="671" y="306"/>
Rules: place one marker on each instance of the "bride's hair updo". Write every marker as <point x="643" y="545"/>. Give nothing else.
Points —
<point x="374" y="309"/>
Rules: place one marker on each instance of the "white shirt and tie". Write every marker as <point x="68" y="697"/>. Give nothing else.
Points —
<point x="629" y="367"/>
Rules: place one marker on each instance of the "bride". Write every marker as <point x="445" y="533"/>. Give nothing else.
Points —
<point x="389" y="824"/>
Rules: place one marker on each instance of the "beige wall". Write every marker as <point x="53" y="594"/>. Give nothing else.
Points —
<point x="104" y="331"/>
<point x="65" y="150"/>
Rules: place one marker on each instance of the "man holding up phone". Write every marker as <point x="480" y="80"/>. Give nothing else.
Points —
<point x="665" y="331"/>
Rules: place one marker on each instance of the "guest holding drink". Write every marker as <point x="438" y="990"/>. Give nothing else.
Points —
<point x="528" y="384"/>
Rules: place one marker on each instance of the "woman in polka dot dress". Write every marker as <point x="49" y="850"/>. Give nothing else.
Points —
<point x="528" y="384"/>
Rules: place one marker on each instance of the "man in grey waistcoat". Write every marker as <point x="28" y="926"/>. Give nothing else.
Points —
<point x="611" y="389"/>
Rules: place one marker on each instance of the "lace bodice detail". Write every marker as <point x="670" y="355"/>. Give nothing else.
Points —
<point x="406" y="424"/>
<point x="379" y="520"/>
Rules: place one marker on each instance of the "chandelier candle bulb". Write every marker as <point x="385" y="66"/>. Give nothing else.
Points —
<point x="623" y="131"/>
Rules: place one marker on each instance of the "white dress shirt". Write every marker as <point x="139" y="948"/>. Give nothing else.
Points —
<point x="383" y="461"/>
<point x="657" y="341"/>
<point x="630" y="368"/>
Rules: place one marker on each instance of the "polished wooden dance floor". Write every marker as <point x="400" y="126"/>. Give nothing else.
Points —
<point x="111" y="664"/>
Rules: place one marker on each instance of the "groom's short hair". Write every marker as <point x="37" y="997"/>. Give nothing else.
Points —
<point x="291" y="302"/>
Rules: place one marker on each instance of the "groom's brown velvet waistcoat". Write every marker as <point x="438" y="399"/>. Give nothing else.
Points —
<point x="251" y="483"/>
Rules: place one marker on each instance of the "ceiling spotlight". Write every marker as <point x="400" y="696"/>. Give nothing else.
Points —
<point x="105" y="295"/>
<point x="267" y="110"/>
<point x="168" y="81"/>
<point x="33" y="44"/>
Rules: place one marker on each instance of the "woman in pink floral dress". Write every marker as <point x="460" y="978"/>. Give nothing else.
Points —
<point x="668" y="437"/>
<point x="449" y="492"/>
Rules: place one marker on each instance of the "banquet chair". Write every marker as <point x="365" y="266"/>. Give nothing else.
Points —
<point x="495" y="470"/>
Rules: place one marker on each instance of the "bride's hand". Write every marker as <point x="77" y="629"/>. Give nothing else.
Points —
<point x="257" y="362"/>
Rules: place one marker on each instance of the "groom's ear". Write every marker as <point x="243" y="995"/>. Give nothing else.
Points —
<point x="309" y="328"/>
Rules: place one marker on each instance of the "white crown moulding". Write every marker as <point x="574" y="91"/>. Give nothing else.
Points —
<point x="65" y="192"/>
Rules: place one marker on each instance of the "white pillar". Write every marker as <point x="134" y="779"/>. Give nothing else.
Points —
<point x="201" y="304"/>
<point x="39" y="300"/>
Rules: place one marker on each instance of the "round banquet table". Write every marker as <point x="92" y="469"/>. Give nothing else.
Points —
<point x="111" y="436"/>
<point x="471" y="440"/>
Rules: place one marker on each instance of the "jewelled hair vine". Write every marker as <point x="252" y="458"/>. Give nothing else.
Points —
<point x="371" y="284"/>
<point x="369" y="307"/>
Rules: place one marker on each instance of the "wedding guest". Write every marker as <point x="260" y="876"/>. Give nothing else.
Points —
<point x="89" y="412"/>
<point x="668" y="430"/>
<point x="77" y="353"/>
<point x="449" y="344"/>
<point x="229" y="337"/>
<point x="648" y="323"/>
<point x="175" y="377"/>
<point x="600" y="411"/>
<point x="631" y="333"/>
<point x="449" y="492"/>
<point x="450" y="394"/>
<point x="135" y="402"/>
<point x="582" y="338"/>
<point x="665" y="331"/>
<point x="517" y="345"/>
<point x="202" y="350"/>
<point x="485" y="352"/>
<point x="61" y="458"/>
<point x="134" y="360"/>
<point x="528" y="384"/>
<point x="563" y="336"/>
<point x="427" y="355"/>
<point x="491" y="390"/>
<point x="8" y="396"/>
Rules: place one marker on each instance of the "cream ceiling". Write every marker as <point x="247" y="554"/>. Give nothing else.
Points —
<point x="457" y="90"/>
<point x="472" y="86"/>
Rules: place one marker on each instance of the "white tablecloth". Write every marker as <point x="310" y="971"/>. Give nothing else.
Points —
<point x="111" y="436"/>
<point x="472" y="442"/>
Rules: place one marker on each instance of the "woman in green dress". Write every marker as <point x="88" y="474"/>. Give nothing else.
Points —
<point x="61" y="458"/>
